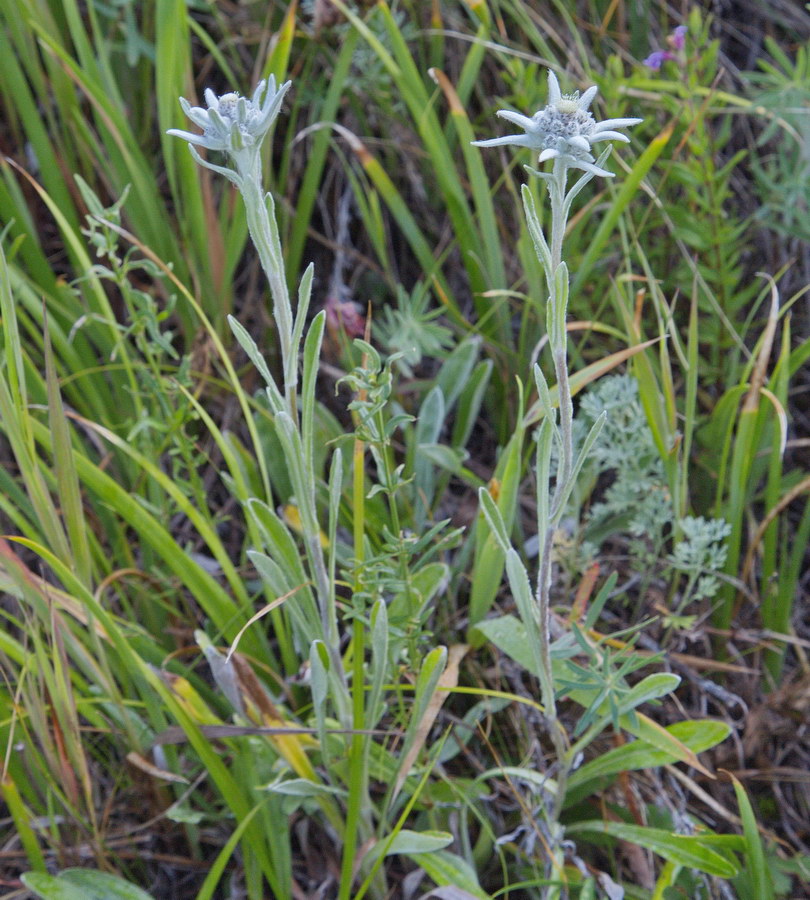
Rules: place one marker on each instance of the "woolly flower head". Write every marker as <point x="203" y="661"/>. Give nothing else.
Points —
<point x="234" y="124"/>
<point x="565" y="129"/>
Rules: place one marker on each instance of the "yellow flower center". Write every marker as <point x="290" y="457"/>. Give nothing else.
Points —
<point x="567" y="105"/>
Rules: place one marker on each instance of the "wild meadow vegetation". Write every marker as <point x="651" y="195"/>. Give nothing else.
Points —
<point x="400" y="501"/>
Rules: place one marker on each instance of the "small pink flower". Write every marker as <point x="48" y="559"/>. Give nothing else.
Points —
<point x="344" y="315"/>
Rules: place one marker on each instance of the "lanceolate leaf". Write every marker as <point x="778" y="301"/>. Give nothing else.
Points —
<point x="682" y="849"/>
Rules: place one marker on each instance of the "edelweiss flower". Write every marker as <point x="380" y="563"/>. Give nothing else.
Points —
<point x="234" y="124"/>
<point x="564" y="130"/>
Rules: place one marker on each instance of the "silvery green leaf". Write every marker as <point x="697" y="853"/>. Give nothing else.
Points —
<point x="220" y="170"/>
<point x="559" y="308"/>
<point x="587" y="444"/>
<point x="527" y="607"/>
<point x="222" y="669"/>
<point x="426" y="431"/>
<point x="546" y="176"/>
<point x="102" y="885"/>
<point x="494" y="518"/>
<point x="311" y="363"/>
<point x="379" y="662"/>
<point x="183" y="814"/>
<point x="374" y="362"/>
<point x="545" y="435"/>
<point x="448" y="458"/>
<point x="304" y="295"/>
<point x="536" y="232"/>
<point x="535" y="780"/>
<point x="335" y="488"/>
<point x="543" y="394"/>
<point x="451" y="871"/>
<point x="510" y="636"/>
<point x="301" y="787"/>
<point x="247" y="343"/>
<point x="318" y="669"/>
<point x="302" y="607"/>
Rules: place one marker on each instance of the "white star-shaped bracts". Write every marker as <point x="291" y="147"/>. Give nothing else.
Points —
<point x="565" y="129"/>
<point x="233" y="124"/>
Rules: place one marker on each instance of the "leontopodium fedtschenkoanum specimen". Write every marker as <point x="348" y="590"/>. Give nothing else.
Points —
<point x="236" y="127"/>
<point x="564" y="129"/>
<point x="563" y="132"/>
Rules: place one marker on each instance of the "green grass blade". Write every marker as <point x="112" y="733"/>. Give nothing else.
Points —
<point x="22" y="823"/>
<point x="70" y="499"/>
<point x="756" y="867"/>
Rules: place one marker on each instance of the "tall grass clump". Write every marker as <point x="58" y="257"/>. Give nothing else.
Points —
<point x="417" y="569"/>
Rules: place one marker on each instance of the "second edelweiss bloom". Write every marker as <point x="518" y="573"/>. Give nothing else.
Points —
<point x="565" y="129"/>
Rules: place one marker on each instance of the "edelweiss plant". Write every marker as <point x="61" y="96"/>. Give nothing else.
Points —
<point x="236" y="126"/>
<point x="564" y="132"/>
<point x="346" y="692"/>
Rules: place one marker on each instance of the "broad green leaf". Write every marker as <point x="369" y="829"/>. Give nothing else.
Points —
<point x="409" y="842"/>
<point x="469" y="403"/>
<point x="509" y="635"/>
<point x="489" y="555"/>
<point x="448" y="869"/>
<point x="684" y="850"/>
<point x="659" y="684"/>
<point x="103" y="886"/>
<point x="432" y="668"/>
<point x="696" y="735"/>
<point x="49" y="887"/>
<point x="82" y="884"/>
<point x="457" y="368"/>
<point x="427" y="429"/>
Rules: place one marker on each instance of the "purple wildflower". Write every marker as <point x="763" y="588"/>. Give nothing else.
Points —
<point x="678" y="37"/>
<point x="656" y="59"/>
